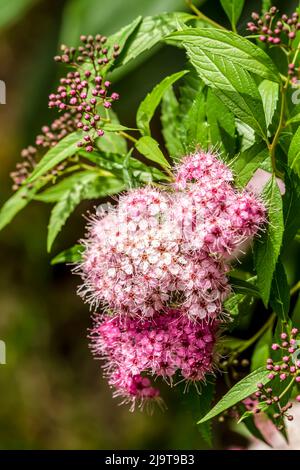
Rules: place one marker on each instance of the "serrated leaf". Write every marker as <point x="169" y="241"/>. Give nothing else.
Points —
<point x="243" y="389"/>
<point x="17" y="202"/>
<point x="280" y="292"/>
<point x="148" y="106"/>
<point x="233" y="9"/>
<point x="220" y="45"/>
<point x="63" y="150"/>
<point x="112" y="142"/>
<point x="56" y="192"/>
<point x="294" y="152"/>
<point x="71" y="255"/>
<point x="233" y="85"/>
<point x="269" y="92"/>
<point x="150" y="149"/>
<point x="150" y="32"/>
<point x="62" y="210"/>
<point x="267" y="247"/>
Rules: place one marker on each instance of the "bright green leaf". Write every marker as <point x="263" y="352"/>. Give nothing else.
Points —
<point x="269" y="92"/>
<point x="63" y="150"/>
<point x="238" y="392"/>
<point x="71" y="255"/>
<point x="150" y="149"/>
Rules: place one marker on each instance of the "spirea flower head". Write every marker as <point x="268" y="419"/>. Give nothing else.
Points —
<point x="167" y="346"/>
<point x="162" y="249"/>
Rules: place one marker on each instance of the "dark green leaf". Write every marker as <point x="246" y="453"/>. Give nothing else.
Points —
<point x="291" y="207"/>
<point x="205" y="402"/>
<point x="148" y="106"/>
<point x="243" y="287"/>
<point x="294" y="153"/>
<point x="238" y="392"/>
<point x="262" y="350"/>
<point x="169" y="116"/>
<point x="280" y="292"/>
<point x="267" y="247"/>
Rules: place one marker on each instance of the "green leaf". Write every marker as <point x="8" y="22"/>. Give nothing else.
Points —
<point x="233" y="9"/>
<point x="262" y="350"/>
<point x="71" y="255"/>
<point x="231" y="83"/>
<point x="63" y="150"/>
<point x="62" y="210"/>
<point x="280" y="292"/>
<point x="267" y="247"/>
<point x="216" y="45"/>
<point x="269" y="92"/>
<point x="294" y="152"/>
<point x="291" y="207"/>
<point x="293" y="119"/>
<point x="121" y="38"/>
<point x="243" y="287"/>
<point x="56" y="192"/>
<point x="115" y="127"/>
<point x="238" y="392"/>
<point x="205" y="401"/>
<point x="150" y="32"/>
<point x="248" y="162"/>
<point x="112" y="142"/>
<point x="148" y="106"/>
<point x="169" y="120"/>
<point x="150" y="149"/>
<point x="17" y="202"/>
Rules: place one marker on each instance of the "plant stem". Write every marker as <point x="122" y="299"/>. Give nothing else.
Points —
<point x="295" y="288"/>
<point x="128" y="136"/>
<point x="258" y="334"/>
<point x="287" y="388"/>
<point x="203" y="17"/>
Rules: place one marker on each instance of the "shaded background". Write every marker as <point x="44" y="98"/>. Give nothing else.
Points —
<point x="51" y="391"/>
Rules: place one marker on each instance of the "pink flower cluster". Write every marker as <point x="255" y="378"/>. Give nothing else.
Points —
<point x="159" y="252"/>
<point x="161" y="346"/>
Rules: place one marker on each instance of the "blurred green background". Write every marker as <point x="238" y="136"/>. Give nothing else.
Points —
<point x="52" y="395"/>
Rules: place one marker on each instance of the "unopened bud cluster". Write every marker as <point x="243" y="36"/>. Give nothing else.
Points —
<point x="278" y="30"/>
<point x="78" y="99"/>
<point x="287" y="370"/>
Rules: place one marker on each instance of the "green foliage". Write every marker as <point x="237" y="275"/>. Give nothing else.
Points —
<point x="233" y="9"/>
<point x="148" y="106"/>
<point x="150" y="148"/>
<point x="71" y="255"/>
<point x="63" y="150"/>
<point x="238" y="392"/>
<point x="267" y="247"/>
